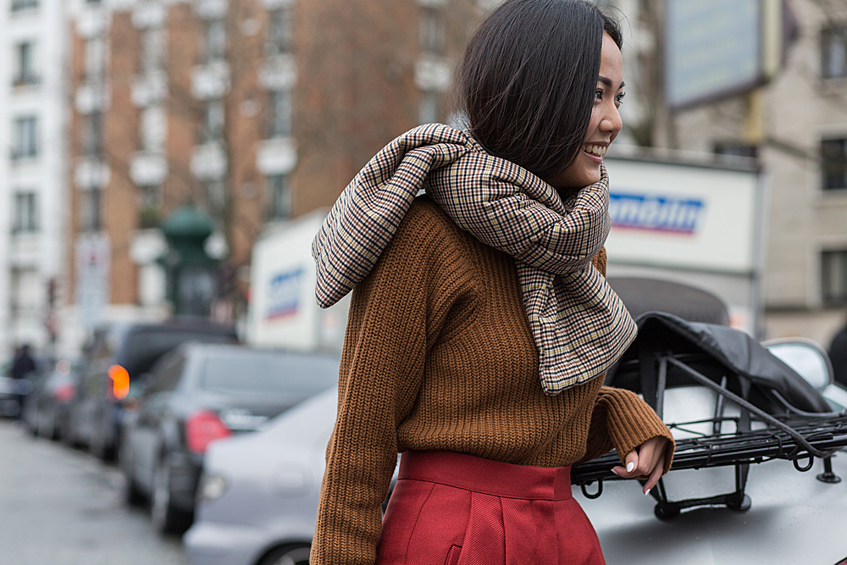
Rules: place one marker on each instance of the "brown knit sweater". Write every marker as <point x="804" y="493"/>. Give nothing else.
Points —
<point x="439" y="355"/>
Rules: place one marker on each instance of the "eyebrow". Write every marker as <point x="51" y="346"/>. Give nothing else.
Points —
<point x="608" y="82"/>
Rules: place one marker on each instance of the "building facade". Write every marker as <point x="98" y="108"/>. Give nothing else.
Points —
<point x="252" y="111"/>
<point x="794" y="128"/>
<point x="257" y="111"/>
<point x="32" y="171"/>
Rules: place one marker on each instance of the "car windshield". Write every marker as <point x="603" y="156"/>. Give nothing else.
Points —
<point x="261" y="372"/>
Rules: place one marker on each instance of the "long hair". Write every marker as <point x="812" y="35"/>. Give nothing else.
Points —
<point x="527" y="80"/>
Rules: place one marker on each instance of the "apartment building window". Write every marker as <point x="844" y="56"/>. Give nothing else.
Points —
<point x="152" y="50"/>
<point x="95" y="58"/>
<point x="25" y="59"/>
<point x="279" y="197"/>
<point x="214" y="193"/>
<point x="91" y="134"/>
<point x="834" y="276"/>
<point x="150" y="206"/>
<point x="90" y="210"/>
<point x="214" y="41"/>
<point x="729" y="150"/>
<point x="432" y="30"/>
<point x="212" y="128"/>
<point x="428" y="111"/>
<point x="25" y="291"/>
<point x="279" y="113"/>
<point x="153" y="123"/>
<point x="23" y="4"/>
<point x="151" y="196"/>
<point x="25" y="212"/>
<point x="834" y="51"/>
<point x="26" y="138"/>
<point x="834" y="163"/>
<point x="280" y="31"/>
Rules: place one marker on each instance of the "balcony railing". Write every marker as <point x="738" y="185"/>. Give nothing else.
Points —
<point x="23" y="4"/>
<point x="28" y="79"/>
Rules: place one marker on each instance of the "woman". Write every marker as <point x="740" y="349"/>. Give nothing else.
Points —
<point x="481" y="325"/>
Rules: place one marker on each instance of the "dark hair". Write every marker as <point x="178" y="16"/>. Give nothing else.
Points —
<point x="528" y="77"/>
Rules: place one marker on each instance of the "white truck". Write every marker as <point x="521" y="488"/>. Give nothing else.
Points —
<point x="282" y="310"/>
<point x="694" y="223"/>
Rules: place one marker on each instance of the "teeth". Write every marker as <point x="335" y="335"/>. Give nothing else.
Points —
<point x="597" y="150"/>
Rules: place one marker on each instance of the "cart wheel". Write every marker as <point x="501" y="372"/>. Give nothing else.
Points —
<point x="745" y="505"/>
<point x="666" y="512"/>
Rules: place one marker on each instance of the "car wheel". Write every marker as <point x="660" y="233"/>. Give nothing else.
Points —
<point x="96" y="447"/>
<point x="31" y="424"/>
<point x="167" y="519"/>
<point x="99" y="447"/>
<point x="69" y="437"/>
<point x="45" y="422"/>
<point x="132" y="494"/>
<point x="287" y="555"/>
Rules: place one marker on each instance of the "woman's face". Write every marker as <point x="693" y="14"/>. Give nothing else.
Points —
<point x="605" y="124"/>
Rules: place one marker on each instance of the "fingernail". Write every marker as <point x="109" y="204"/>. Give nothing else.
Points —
<point x="615" y="472"/>
<point x="630" y="466"/>
<point x="646" y="492"/>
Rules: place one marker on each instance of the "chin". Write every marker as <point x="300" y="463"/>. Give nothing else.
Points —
<point x="588" y="180"/>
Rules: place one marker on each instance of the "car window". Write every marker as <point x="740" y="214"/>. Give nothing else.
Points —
<point x="167" y="374"/>
<point x="143" y="348"/>
<point x="260" y="372"/>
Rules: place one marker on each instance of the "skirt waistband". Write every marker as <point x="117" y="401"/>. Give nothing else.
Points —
<point x="481" y="475"/>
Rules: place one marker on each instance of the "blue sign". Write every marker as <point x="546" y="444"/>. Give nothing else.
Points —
<point x="284" y="293"/>
<point x="712" y="49"/>
<point x="656" y="213"/>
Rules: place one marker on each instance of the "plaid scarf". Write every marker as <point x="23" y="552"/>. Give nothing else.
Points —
<point x="578" y="323"/>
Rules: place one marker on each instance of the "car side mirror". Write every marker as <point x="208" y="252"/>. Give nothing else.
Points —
<point x="806" y="357"/>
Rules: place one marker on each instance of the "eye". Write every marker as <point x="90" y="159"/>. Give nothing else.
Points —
<point x="598" y="94"/>
<point x="619" y="98"/>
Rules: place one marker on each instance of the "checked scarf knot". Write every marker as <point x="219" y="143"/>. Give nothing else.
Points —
<point x="578" y="323"/>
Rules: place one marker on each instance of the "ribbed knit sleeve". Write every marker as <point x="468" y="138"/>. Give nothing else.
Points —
<point x="395" y="316"/>
<point x="622" y="420"/>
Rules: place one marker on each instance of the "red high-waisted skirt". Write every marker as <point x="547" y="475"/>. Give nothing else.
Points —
<point x="455" y="509"/>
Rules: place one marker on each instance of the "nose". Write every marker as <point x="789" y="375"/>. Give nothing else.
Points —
<point x="611" y="121"/>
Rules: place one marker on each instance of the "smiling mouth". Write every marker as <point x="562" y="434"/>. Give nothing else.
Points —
<point x="595" y="150"/>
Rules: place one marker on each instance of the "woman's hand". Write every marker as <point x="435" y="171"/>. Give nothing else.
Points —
<point x="646" y="460"/>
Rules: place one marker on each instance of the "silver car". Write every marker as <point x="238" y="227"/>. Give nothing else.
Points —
<point x="258" y="494"/>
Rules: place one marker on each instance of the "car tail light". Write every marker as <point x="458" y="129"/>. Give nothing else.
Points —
<point x="120" y="381"/>
<point x="65" y="392"/>
<point x="203" y="427"/>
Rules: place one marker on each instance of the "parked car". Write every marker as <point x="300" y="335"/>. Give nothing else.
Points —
<point x="736" y="475"/>
<point x="9" y="388"/>
<point x="737" y="492"/>
<point x="46" y="407"/>
<point x="14" y="392"/>
<point x="258" y="493"/>
<point x="200" y="393"/>
<point x="115" y="361"/>
<point x="258" y="499"/>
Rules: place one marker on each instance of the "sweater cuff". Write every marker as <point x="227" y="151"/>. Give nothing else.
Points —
<point x="631" y="422"/>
